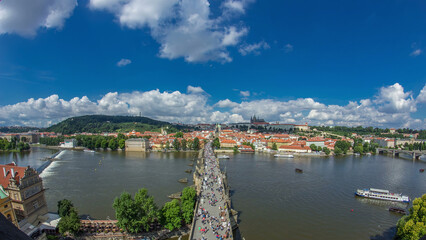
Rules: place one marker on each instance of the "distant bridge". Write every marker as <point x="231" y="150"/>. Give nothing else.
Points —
<point x="415" y="154"/>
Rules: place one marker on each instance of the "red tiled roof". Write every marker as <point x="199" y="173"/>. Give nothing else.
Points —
<point x="18" y="171"/>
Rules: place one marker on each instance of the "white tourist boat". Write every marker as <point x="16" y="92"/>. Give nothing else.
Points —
<point x="88" y="150"/>
<point x="223" y="157"/>
<point x="381" y="194"/>
<point x="284" y="155"/>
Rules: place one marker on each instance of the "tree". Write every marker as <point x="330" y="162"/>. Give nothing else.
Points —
<point x="64" y="207"/>
<point x="171" y="215"/>
<point x="167" y="145"/>
<point x="69" y="223"/>
<point x="413" y="226"/>
<point x="188" y="203"/>
<point x="122" y="143"/>
<point x="184" y="144"/>
<point x="176" y="144"/>
<point x="337" y="151"/>
<point x="216" y="143"/>
<point x="104" y="144"/>
<point x="274" y="146"/>
<point x="179" y="135"/>
<point x="326" y="150"/>
<point x="313" y="147"/>
<point x="113" y="144"/>
<point x="148" y="210"/>
<point x="126" y="213"/>
<point x="196" y="144"/>
<point x="343" y="145"/>
<point x="359" y="149"/>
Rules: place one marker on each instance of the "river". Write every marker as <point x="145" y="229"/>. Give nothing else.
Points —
<point x="274" y="201"/>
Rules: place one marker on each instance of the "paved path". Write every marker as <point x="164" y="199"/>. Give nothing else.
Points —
<point x="212" y="216"/>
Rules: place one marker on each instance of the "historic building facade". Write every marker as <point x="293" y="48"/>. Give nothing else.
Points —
<point x="25" y="189"/>
<point x="6" y="207"/>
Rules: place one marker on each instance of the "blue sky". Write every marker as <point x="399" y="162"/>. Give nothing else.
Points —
<point x="332" y="63"/>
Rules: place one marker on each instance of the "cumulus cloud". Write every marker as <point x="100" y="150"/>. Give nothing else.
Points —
<point x="255" y="48"/>
<point x="416" y="53"/>
<point x="192" y="89"/>
<point x="421" y="98"/>
<point x="24" y="17"/>
<point x="236" y="6"/>
<point x="184" y="28"/>
<point x="123" y="62"/>
<point x="393" y="99"/>
<point x="391" y="107"/>
<point x="226" y="103"/>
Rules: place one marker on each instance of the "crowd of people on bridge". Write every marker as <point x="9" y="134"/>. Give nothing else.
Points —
<point x="214" y="222"/>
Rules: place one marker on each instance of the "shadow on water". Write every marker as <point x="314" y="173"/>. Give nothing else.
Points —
<point x="389" y="234"/>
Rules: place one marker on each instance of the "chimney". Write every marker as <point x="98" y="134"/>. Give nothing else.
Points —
<point x="4" y="171"/>
<point x="13" y="173"/>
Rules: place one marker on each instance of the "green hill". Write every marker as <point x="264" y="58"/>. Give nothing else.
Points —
<point x="103" y="123"/>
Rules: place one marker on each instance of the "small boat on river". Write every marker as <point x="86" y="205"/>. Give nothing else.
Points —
<point x="88" y="151"/>
<point x="421" y="170"/>
<point x="284" y="156"/>
<point x="223" y="157"/>
<point x="298" y="170"/>
<point x="397" y="210"/>
<point x="381" y="194"/>
<point x="188" y="170"/>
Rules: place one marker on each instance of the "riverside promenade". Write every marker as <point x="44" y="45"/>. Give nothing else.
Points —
<point x="211" y="216"/>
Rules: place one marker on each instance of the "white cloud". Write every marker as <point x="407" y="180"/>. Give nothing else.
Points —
<point x="393" y="99"/>
<point x="416" y="53"/>
<point x="123" y="62"/>
<point x="232" y="36"/>
<point x="184" y="28"/>
<point x="236" y="5"/>
<point x="421" y="98"/>
<point x="226" y="103"/>
<point x="288" y="48"/>
<point x="246" y="49"/>
<point x="192" y="89"/>
<point x="24" y="17"/>
<point x="390" y="108"/>
<point x="245" y="94"/>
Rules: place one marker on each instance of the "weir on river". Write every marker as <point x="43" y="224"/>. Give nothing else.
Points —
<point x="211" y="216"/>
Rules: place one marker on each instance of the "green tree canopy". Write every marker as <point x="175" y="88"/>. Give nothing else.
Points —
<point x="69" y="223"/>
<point x="274" y="146"/>
<point x="188" y="203"/>
<point x="179" y="135"/>
<point x="343" y="145"/>
<point x="176" y="144"/>
<point x="127" y="213"/>
<point x="413" y="226"/>
<point x="148" y="210"/>
<point x="196" y="144"/>
<point x="64" y="207"/>
<point x="326" y="150"/>
<point x="216" y="143"/>
<point x="122" y="143"/>
<point x="171" y="217"/>
<point x="313" y="147"/>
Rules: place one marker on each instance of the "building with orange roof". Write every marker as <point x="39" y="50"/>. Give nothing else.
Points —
<point x="25" y="188"/>
<point x="227" y="143"/>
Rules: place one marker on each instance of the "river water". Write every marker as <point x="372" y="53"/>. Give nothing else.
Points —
<point x="274" y="201"/>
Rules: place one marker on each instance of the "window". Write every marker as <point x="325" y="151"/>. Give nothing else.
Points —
<point x="35" y="204"/>
<point x="5" y="206"/>
<point x="9" y="217"/>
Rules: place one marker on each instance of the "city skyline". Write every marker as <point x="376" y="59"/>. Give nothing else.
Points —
<point x="199" y="61"/>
